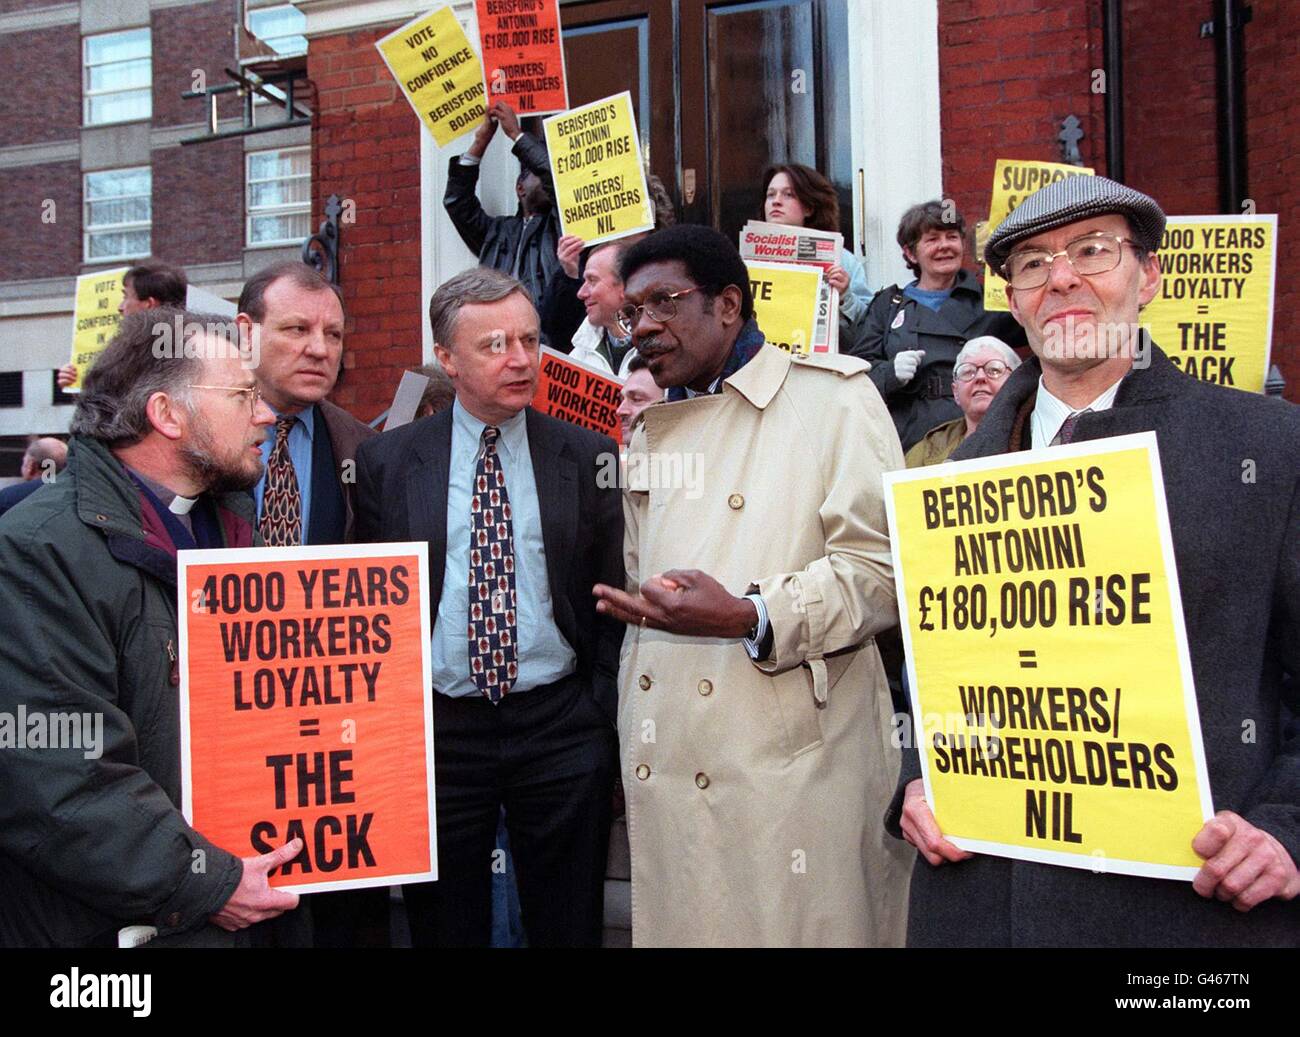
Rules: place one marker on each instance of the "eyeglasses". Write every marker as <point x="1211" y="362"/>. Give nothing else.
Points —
<point x="1091" y="254"/>
<point x="661" y="308"/>
<point x="253" y="393"/>
<point x="993" y="370"/>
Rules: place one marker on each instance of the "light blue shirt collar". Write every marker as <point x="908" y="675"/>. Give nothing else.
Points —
<point x="513" y="431"/>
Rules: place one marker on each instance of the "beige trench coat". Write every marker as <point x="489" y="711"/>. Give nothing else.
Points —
<point x="756" y="792"/>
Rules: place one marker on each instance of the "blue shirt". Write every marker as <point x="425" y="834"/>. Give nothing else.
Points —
<point x="927" y="297"/>
<point x="543" y="653"/>
<point x="300" y="456"/>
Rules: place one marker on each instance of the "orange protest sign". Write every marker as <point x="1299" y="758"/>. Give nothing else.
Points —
<point x="305" y="709"/>
<point x="578" y="394"/>
<point x="523" y="59"/>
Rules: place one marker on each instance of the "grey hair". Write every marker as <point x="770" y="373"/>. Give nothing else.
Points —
<point x="479" y="284"/>
<point x="987" y="342"/>
<point x="142" y="360"/>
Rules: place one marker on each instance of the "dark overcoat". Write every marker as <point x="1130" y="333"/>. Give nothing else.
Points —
<point x="1231" y="466"/>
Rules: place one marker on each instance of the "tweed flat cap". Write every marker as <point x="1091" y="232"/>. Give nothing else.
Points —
<point x="1075" y="198"/>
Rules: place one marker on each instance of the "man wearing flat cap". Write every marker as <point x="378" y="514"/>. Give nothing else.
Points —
<point x="1079" y="259"/>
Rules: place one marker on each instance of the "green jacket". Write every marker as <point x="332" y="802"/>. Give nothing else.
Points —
<point x="88" y="605"/>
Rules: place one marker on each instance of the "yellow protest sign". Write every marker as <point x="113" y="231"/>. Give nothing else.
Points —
<point x="94" y="318"/>
<point x="596" y="165"/>
<point x="439" y="72"/>
<point x="1014" y="180"/>
<point x="1213" y="315"/>
<point x="786" y="301"/>
<point x="1052" y="697"/>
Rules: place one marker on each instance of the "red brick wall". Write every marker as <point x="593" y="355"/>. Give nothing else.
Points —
<point x="1171" y="140"/>
<point x="41" y="100"/>
<point x="186" y="39"/>
<point x="1009" y="72"/>
<point x="198" y="203"/>
<point x="367" y="149"/>
<point x="1273" y="163"/>
<point x="32" y="248"/>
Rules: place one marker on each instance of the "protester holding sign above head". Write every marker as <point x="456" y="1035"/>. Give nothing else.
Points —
<point x="92" y="838"/>
<point x="799" y="196"/>
<point x="911" y="335"/>
<point x="145" y="286"/>
<point x="522" y="245"/>
<point x="1078" y="258"/>
<point x="520" y="527"/>
<point x="982" y="368"/>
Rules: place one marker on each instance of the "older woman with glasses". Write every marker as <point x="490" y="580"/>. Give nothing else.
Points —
<point x="982" y="367"/>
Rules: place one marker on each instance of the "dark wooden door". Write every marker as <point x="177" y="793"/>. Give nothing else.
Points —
<point x="721" y="90"/>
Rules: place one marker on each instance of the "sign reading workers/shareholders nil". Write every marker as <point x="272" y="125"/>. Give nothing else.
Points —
<point x="1014" y="180"/>
<point x="95" y="318"/>
<point x="1052" y="697"/>
<point x="578" y="394"/>
<point x="522" y="54"/>
<point x="305" y="709"/>
<point x="1213" y="315"/>
<point x="438" y="71"/>
<point x="600" y="184"/>
<point x="786" y="301"/>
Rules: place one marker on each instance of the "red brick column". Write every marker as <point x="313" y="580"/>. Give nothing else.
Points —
<point x="366" y="148"/>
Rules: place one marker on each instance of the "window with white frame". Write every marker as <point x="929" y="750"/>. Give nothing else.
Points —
<point x="117" y="81"/>
<point x="280" y="28"/>
<point x="118" y="214"/>
<point x="278" y="196"/>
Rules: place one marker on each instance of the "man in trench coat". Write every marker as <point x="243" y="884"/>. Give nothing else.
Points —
<point x="754" y="715"/>
<point x="1236" y="540"/>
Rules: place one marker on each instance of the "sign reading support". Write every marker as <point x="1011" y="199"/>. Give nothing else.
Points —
<point x="1052" y="696"/>
<point x="305" y="709"/>
<point x="600" y="184"/>
<point x="438" y="71"/>
<point x="95" y="318"/>
<point x="578" y="394"/>
<point x="1213" y="315"/>
<point x="1014" y="180"/>
<point x="523" y="55"/>
<point x="787" y="301"/>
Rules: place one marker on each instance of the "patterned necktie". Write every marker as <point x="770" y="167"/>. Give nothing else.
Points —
<point x="492" y="626"/>
<point x="281" y="522"/>
<point x="1066" y="432"/>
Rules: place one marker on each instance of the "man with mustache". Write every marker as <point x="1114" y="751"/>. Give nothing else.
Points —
<point x="753" y="710"/>
<point x="165" y="445"/>
<point x="1079" y="258"/>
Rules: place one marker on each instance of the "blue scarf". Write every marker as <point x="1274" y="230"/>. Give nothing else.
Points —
<point x="748" y="343"/>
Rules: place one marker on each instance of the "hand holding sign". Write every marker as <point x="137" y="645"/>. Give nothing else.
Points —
<point x="681" y="601"/>
<point x="922" y="830"/>
<point x="254" y="900"/>
<point x="505" y="116"/>
<point x="838" y="278"/>
<point x="567" y="251"/>
<point x="1243" y="864"/>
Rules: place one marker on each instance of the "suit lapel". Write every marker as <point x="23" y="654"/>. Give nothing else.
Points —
<point x="556" y="475"/>
<point x="426" y="498"/>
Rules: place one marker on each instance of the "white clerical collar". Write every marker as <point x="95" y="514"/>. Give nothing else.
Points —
<point x="1050" y="412"/>
<point x="181" y="505"/>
